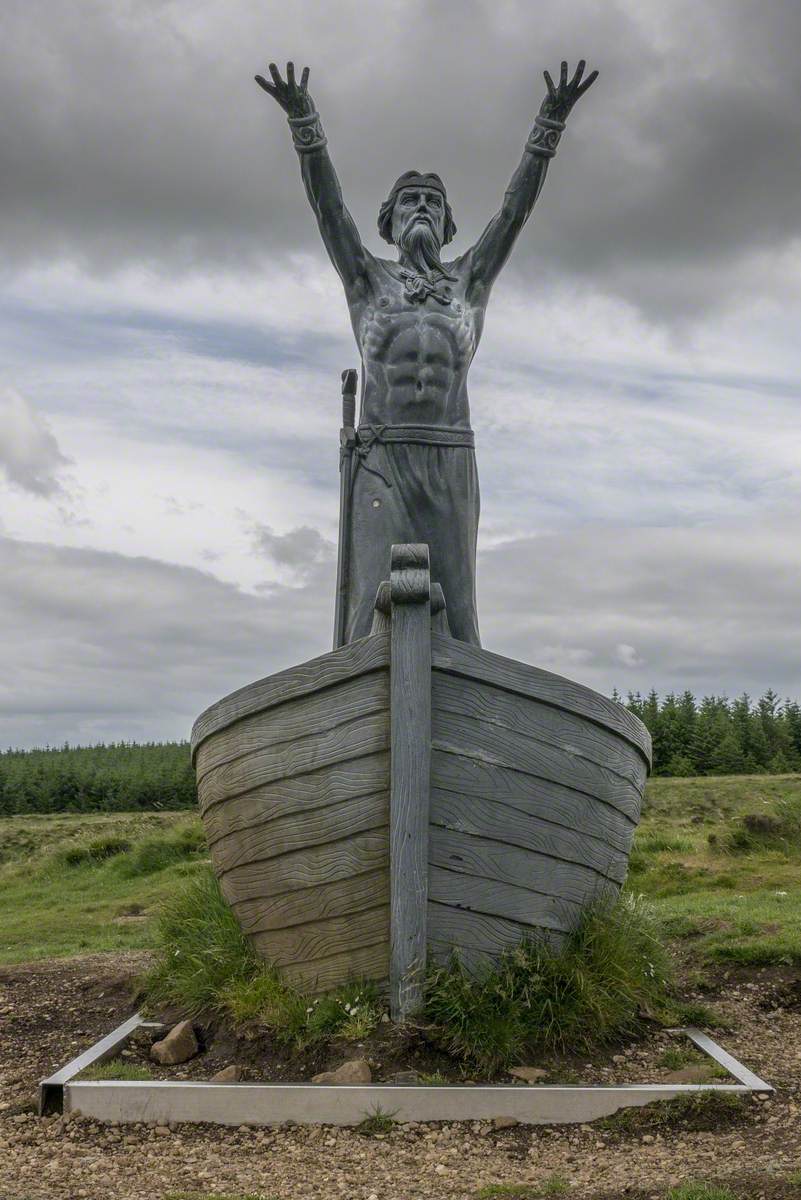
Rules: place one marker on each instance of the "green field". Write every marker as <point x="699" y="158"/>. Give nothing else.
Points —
<point x="726" y="890"/>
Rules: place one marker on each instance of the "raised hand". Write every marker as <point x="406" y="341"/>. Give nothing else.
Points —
<point x="559" y="101"/>
<point x="293" y="97"/>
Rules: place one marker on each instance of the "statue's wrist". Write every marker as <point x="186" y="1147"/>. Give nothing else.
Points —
<point x="307" y="133"/>
<point x="544" y="137"/>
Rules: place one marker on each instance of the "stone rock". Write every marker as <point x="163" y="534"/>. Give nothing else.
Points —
<point x="178" y="1046"/>
<point x="504" y="1122"/>
<point x="407" y="1077"/>
<point x="230" y="1074"/>
<point x="528" y="1074"/>
<point x="357" y="1070"/>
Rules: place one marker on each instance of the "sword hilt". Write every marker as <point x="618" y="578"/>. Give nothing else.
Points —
<point x="349" y="399"/>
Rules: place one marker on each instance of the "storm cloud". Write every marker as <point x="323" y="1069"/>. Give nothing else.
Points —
<point x="172" y="336"/>
<point x="138" y="133"/>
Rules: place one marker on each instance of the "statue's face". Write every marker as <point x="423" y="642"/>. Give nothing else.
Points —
<point x="418" y="204"/>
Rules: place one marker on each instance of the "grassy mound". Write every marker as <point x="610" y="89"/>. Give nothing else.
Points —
<point x="778" y="830"/>
<point x="206" y="965"/>
<point x="72" y="884"/>
<point x="612" y="970"/>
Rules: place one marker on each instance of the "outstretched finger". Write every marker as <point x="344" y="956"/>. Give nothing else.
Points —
<point x="549" y="84"/>
<point x="563" y="77"/>
<point x="262" y="82"/>
<point x="304" y="79"/>
<point x="290" y="74"/>
<point x="576" y="80"/>
<point x="588" y="82"/>
<point x="276" y="74"/>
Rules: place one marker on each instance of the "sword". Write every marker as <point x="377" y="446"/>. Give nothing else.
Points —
<point x="347" y="442"/>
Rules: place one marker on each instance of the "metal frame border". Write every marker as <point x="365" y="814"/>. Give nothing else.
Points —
<point x="163" y="1102"/>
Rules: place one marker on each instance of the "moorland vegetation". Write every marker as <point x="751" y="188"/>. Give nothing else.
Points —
<point x="713" y="736"/>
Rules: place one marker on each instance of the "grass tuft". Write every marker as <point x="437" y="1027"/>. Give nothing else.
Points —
<point x="778" y="830"/>
<point x="378" y="1124"/>
<point x="206" y="964"/>
<point x="116" y="1068"/>
<point x="202" y="949"/>
<point x="93" y="852"/>
<point x="554" y="1185"/>
<point x="212" y="1196"/>
<point x="611" y="969"/>
<point x="700" y="1191"/>
<point x="181" y="844"/>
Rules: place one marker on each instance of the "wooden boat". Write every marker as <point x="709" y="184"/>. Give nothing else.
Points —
<point x="409" y="795"/>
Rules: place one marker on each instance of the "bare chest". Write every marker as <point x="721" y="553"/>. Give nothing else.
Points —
<point x="394" y="329"/>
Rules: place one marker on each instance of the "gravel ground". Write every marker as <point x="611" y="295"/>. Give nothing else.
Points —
<point x="51" y="1010"/>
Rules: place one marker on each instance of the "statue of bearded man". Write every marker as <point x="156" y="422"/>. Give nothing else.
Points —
<point x="417" y="323"/>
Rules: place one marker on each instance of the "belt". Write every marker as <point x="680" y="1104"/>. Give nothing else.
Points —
<point x="421" y="435"/>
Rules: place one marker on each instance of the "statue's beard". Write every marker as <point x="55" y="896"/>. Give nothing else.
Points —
<point x="420" y="244"/>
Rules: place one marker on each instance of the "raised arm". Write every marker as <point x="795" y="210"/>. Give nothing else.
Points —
<point x="494" y="246"/>
<point x="339" y="233"/>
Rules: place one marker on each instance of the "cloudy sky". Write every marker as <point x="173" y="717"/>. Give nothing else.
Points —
<point x="171" y="338"/>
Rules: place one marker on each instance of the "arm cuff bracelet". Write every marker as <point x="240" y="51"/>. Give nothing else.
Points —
<point x="544" y="137"/>
<point x="307" y="133"/>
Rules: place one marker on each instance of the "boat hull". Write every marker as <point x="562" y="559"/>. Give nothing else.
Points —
<point x="361" y="812"/>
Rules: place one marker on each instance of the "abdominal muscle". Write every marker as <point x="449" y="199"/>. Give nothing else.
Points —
<point x="415" y="361"/>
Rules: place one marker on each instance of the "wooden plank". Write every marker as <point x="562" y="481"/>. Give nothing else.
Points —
<point x="357" y="658"/>
<point x="314" y="827"/>
<point x="321" y="975"/>
<point x="539" y="797"/>
<point x="478" y="962"/>
<point x="487" y="818"/>
<point x="316" y="940"/>
<point x="469" y="737"/>
<point x="295" y="719"/>
<point x="460" y="658"/>
<point x="471" y="855"/>
<point x="489" y="935"/>
<point x="328" y="785"/>
<point x="494" y="706"/>
<point x="348" y="741"/>
<point x="307" y="904"/>
<point x="308" y="868"/>
<point x="410" y="675"/>
<point x="497" y="899"/>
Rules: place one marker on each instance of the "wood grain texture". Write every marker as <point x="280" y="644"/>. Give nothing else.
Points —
<point x="328" y="785"/>
<point x="335" y="899"/>
<point x="471" y="855"/>
<point x="295" y="719"/>
<point x="410" y="682"/>
<point x="314" y="827"/>
<point x="367" y="962"/>
<point x="488" y="819"/>
<point x="538" y="797"/>
<point x="322" y="939"/>
<point x="309" y="867"/>
<point x="498" y="899"/>
<point x="459" y="658"/>
<point x="494" y="706"/>
<point x="348" y="741"/>
<point x="472" y="739"/>
<point x="460" y="928"/>
<point x="477" y="961"/>
<point x="357" y="658"/>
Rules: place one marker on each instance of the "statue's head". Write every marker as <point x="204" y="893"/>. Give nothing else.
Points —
<point x="416" y="207"/>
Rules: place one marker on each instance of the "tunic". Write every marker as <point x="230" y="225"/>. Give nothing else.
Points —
<point x="414" y="484"/>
